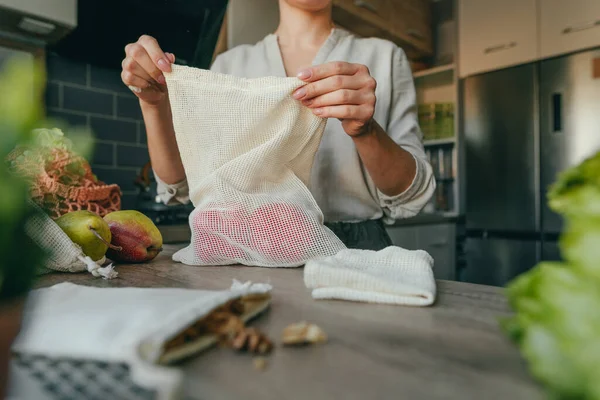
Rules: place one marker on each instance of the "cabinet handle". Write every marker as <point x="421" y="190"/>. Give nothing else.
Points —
<point x="366" y="5"/>
<point x="582" y="27"/>
<point x="557" y="112"/>
<point x="415" y="33"/>
<point x="500" y="47"/>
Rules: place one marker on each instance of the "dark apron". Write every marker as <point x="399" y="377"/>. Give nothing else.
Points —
<point x="365" y="235"/>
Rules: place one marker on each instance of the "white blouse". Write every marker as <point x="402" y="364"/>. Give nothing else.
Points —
<point x="340" y="183"/>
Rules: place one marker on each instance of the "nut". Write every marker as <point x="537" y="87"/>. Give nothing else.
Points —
<point x="252" y="340"/>
<point x="260" y="363"/>
<point x="303" y="333"/>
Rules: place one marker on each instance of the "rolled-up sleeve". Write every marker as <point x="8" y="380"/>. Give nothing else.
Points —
<point x="403" y="128"/>
<point x="172" y="194"/>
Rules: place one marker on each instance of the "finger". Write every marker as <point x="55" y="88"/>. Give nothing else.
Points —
<point x="331" y="84"/>
<point x="130" y="65"/>
<point x="138" y="53"/>
<point x="326" y="70"/>
<point x="171" y="57"/>
<point x="158" y="57"/>
<point x="130" y="79"/>
<point x="338" y="97"/>
<point x="345" y="112"/>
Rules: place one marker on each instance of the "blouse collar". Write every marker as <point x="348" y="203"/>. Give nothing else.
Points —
<point x="276" y="60"/>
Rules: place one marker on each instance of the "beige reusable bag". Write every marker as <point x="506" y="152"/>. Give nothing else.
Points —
<point x="247" y="148"/>
<point x="118" y="343"/>
<point x="62" y="254"/>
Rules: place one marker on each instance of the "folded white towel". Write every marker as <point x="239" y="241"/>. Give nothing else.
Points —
<point x="393" y="275"/>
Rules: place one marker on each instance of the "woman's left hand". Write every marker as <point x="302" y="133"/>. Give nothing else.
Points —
<point x="340" y="90"/>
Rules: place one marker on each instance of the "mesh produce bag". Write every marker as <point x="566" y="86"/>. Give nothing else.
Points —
<point x="63" y="254"/>
<point x="248" y="148"/>
<point x="61" y="180"/>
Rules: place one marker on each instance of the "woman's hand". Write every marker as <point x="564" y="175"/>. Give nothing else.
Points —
<point x="143" y="69"/>
<point x="340" y="90"/>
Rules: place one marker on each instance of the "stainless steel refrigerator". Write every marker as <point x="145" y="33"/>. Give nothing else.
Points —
<point x="522" y="125"/>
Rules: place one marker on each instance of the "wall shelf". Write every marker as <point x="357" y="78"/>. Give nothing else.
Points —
<point x="439" y="142"/>
<point x="433" y="71"/>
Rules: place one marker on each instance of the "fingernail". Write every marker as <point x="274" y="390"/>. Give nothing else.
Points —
<point x="304" y="74"/>
<point x="161" y="79"/>
<point x="135" y="89"/>
<point x="163" y="64"/>
<point x="300" y="93"/>
<point x="307" y="102"/>
<point x="318" y="111"/>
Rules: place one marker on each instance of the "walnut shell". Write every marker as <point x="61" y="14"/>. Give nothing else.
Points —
<point x="303" y="333"/>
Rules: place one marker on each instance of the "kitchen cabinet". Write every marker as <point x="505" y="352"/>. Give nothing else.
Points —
<point x="406" y="23"/>
<point x="568" y="26"/>
<point x="404" y="236"/>
<point x="497" y="261"/>
<point x="495" y="34"/>
<point x="439" y="240"/>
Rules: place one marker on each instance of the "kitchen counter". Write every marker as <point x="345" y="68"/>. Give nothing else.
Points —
<point x="452" y="350"/>
<point x="427" y="219"/>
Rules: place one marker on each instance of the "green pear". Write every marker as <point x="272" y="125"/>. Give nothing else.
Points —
<point x="136" y="235"/>
<point x="88" y="230"/>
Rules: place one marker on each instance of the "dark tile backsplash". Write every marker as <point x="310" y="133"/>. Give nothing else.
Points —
<point x="68" y="118"/>
<point x="107" y="79"/>
<point x="80" y="94"/>
<point x="124" y="177"/>
<point x="132" y="156"/>
<point x="65" y="70"/>
<point x="53" y="95"/>
<point x="114" y="130"/>
<point x="87" y="100"/>
<point x="128" y="107"/>
<point x="104" y="154"/>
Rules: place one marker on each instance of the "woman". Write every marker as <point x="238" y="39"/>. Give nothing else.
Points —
<point x="371" y="163"/>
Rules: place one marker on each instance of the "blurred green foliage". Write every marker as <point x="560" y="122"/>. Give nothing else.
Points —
<point x="21" y="109"/>
<point x="556" y="323"/>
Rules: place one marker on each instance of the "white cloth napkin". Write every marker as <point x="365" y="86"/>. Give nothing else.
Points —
<point x="118" y="325"/>
<point x="393" y="276"/>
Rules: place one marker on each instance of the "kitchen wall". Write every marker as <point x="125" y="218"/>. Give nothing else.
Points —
<point x="250" y="21"/>
<point x="86" y="95"/>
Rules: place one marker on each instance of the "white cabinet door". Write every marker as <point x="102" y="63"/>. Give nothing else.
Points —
<point x="495" y="34"/>
<point x="568" y="26"/>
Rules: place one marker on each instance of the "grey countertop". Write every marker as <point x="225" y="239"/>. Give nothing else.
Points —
<point x="451" y="350"/>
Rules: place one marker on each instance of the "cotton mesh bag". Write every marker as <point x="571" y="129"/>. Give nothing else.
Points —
<point x="98" y="342"/>
<point x="247" y="148"/>
<point x="63" y="254"/>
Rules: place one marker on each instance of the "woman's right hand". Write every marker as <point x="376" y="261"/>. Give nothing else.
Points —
<point x="143" y="68"/>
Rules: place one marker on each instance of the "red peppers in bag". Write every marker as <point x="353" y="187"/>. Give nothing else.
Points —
<point x="280" y="233"/>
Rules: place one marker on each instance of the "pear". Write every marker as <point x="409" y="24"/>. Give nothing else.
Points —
<point x="136" y="235"/>
<point x="88" y="230"/>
